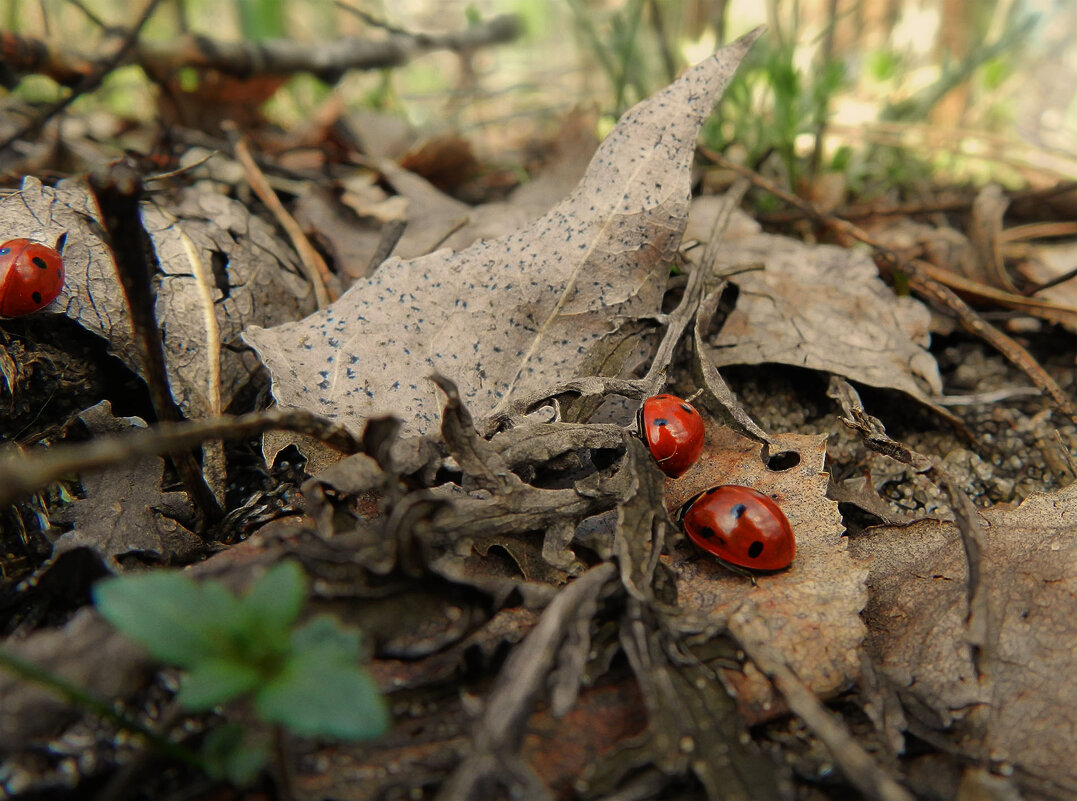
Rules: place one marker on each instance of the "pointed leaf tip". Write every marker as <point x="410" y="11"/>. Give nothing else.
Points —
<point x="507" y="318"/>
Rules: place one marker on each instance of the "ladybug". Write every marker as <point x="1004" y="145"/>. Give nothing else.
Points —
<point x="742" y="527"/>
<point x="673" y="430"/>
<point x="31" y="276"/>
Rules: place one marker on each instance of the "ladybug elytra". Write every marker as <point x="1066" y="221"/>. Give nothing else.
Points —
<point x="31" y="276"/>
<point x="673" y="431"/>
<point x="742" y="527"/>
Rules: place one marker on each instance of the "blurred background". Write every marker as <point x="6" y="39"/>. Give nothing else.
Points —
<point x="882" y="92"/>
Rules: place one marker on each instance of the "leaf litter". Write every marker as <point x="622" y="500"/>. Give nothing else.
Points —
<point x="507" y="317"/>
<point x="476" y="537"/>
<point x="254" y="279"/>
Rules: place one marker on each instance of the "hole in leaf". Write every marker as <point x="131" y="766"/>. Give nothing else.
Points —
<point x="786" y="460"/>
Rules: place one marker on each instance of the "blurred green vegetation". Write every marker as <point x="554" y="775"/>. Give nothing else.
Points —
<point x="828" y="88"/>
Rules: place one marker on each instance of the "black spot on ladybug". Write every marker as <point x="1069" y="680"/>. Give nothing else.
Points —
<point x="36" y="296"/>
<point x="710" y="534"/>
<point x="39" y="263"/>
<point x="688" y="408"/>
<point x="755" y="549"/>
<point x="4" y="251"/>
<point x="738" y="510"/>
<point x="661" y="422"/>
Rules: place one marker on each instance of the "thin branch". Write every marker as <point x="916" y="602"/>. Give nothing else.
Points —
<point x="24" y="472"/>
<point x="920" y="282"/>
<point x="854" y="762"/>
<point x="89" y="83"/>
<point x="314" y="266"/>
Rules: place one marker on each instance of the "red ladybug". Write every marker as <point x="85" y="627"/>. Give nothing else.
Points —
<point x="742" y="527"/>
<point x="31" y="276"/>
<point x="673" y="430"/>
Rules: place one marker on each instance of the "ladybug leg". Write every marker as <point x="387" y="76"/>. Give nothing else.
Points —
<point x="740" y="571"/>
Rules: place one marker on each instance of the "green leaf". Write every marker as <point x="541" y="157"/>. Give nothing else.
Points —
<point x="315" y="698"/>
<point x="178" y="620"/>
<point x="234" y="753"/>
<point x="216" y="681"/>
<point x="322" y="691"/>
<point x="273" y="603"/>
<point x="325" y="637"/>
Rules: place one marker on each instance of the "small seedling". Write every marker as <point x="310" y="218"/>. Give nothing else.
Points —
<point x="303" y="678"/>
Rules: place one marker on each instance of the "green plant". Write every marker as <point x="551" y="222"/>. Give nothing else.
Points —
<point x="771" y="102"/>
<point x="304" y="678"/>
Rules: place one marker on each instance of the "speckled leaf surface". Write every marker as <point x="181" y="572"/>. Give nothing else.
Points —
<point x="504" y="318"/>
<point x="1023" y="710"/>
<point x="825" y="308"/>
<point x="812" y="610"/>
<point x="255" y="278"/>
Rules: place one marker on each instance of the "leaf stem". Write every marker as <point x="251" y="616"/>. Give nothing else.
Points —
<point x="77" y="696"/>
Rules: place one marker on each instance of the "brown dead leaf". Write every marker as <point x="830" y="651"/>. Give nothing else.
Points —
<point x="436" y="220"/>
<point x="124" y="510"/>
<point x="506" y="318"/>
<point x="1024" y="709"/>
<point x="1046" y="262"/>
<point x="824" y="308"/>
<point x="812" y="609"/>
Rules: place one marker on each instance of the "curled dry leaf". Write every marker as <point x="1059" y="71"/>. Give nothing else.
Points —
<point x="919" y="639"/>
<point x="505" y="318"/>
<point x="124" y="510"/>
<point x="255" y="279"/>
<point x="824" y="308"/>
<point x="812" y="609"/>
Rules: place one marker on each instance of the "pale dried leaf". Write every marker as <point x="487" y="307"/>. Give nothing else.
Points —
<point x="1024" y="711"/>
<point x="812" y="609"/>
<point x="824" y="308"/>
<point x="257" y="281"/>
<point x="985" y="234"/>
<point x="1046" y="262"/>
<point x="505" y="318"/>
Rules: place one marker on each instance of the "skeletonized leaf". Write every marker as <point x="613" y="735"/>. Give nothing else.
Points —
<point x="507" y="317"/>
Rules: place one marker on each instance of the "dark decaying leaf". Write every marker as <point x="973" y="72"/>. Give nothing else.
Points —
<point x="493" y="757"/>
<point x="693" y="724"/>
<point x="124" y="510"/>
<point x="505" y="318"/>
<point x="1026" y="693"/>
<point x="86" y="652"/>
